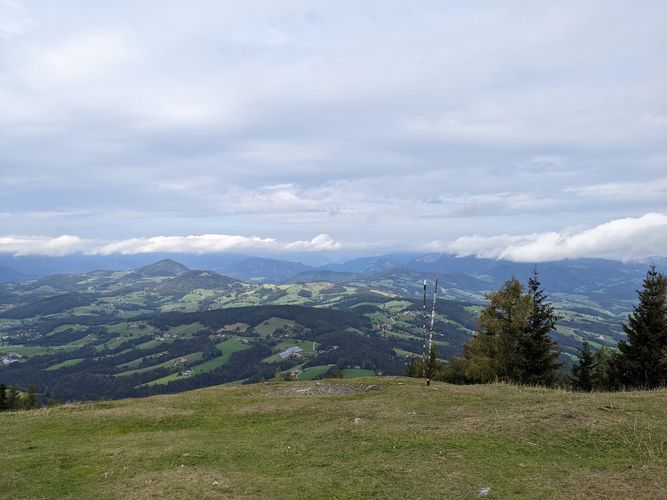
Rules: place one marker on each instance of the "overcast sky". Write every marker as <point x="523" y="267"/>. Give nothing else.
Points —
<point x="523" y="130"/>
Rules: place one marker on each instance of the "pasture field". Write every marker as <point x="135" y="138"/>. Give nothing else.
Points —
<point x="361" y="438"/>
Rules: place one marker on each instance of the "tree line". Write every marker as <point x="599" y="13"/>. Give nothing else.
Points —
<point x="11" y="398"/>
<point x="512" y="343"/>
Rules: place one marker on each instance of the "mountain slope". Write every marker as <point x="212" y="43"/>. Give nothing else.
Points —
<point x="300" y="440"/>
<point x="7" y="275"/>
<point x="165" y="267"/>
<point x="263" y="270"/>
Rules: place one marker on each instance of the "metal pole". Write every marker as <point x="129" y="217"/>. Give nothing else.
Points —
<point x="430" y="331"/>
<point x="424" y="352"/>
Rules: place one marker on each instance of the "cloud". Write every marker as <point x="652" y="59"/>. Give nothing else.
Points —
<point x="629" y="238"/>
<point x="655" y="189"/>
<point x="197" y="244"/>
<point x="41" y="245"/>
<point x="320" y="242"/>
<point x="373" y="122"/>
<point x="205" y="243"/>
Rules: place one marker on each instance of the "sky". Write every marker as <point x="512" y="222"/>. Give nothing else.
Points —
<point x="521" y="130"/>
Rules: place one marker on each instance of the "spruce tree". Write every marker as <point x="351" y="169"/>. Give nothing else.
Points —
<point x="604" y="372"/>
<point x="3" y="397"/>
<point x="582" y="372"/>
<point x="640" y="361"/>
<point x="31" y="398"/>
<point x="540" y="353"/>
<point x="432" y="364"/>
<point x="13" y="397"/>
<point x="414" y="367"/>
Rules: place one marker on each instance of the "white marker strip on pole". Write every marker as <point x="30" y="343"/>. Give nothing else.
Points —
<point x="424" y="352"/>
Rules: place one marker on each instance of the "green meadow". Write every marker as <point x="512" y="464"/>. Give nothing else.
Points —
<point x="361" y="438"/>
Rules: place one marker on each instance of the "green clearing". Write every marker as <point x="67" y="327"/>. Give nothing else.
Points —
<point x="306" y="346"/>
<point x="132" y="364"/>
<point x="227" y="348"/>
<point x="185" y="330"/>
<point x="209" y="365"/>
<point x="65" y="364"/>
<point x="26" y="350"/>
<point x="170" y="363"/>
<point x="81" y="342"/>
<point x="154" y="343"/>
<point x="397" y="305"/>
<point x="313" y="371"/>
<point x="403" y="352"/>
<point x="299" y="440"/>
<point x="111" y="344"/>
<point x="356" y="373"/>
<point x="119" y="328"/>
<point x="164" y="380"/>
<point x="62" y="328"/>
<point x="267" y="327"/>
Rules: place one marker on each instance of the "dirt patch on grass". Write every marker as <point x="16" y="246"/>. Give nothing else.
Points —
<point x="321" y="389"/>
<point x="643" y="481"/>
<point x="178" y="482"/>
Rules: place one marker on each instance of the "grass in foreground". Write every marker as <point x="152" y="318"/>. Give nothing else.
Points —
<point x="298" y="440"/>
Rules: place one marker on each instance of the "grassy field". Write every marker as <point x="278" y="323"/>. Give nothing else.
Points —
<point x="230" y="346"/>
<point x="266" y="328"/>
<point x="65" y="364"/>
<point x="226" y="348"/>
<point x="356" y="372"/>
<point x="307" y="346"/>
<point x="170" y="363"/>
<point x="311" y="372"/>
<point x="303" y="440"/>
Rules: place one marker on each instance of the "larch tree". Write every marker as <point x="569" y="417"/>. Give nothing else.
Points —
<point x="494" y="353"/>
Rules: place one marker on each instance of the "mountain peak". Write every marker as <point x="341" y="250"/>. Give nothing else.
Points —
<point x="164" y="267"/>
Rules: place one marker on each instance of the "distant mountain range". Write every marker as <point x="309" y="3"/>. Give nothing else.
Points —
<point x="165" y="326"/>
<point x="7" y="275"/>
<point x="561" y="276"/>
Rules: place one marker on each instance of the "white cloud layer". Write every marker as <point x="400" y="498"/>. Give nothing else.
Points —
<point x="40" y="245"/>
<point x="629" y="238"/>
<point x="320" y="242"/>
<point x="197" y="244"/>
<point x="205" y="243"/>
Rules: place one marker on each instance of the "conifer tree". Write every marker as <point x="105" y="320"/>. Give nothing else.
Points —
<point x="604" y="373"/>
<point x="540" y="352"/>
<point x="3" y="397"/>
<point x="31" y="398"/>
<point x="494" y="353"/>
<point x="582" y="372"/>
<point x="13" y="397"/>
<point x="432" y="364"/>
<point x="414" y="367"/>
<point x="640" y="360"/>
<point x="512" y="341"/>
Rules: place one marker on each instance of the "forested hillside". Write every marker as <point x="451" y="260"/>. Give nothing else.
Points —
<point x="166" y="328"/>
